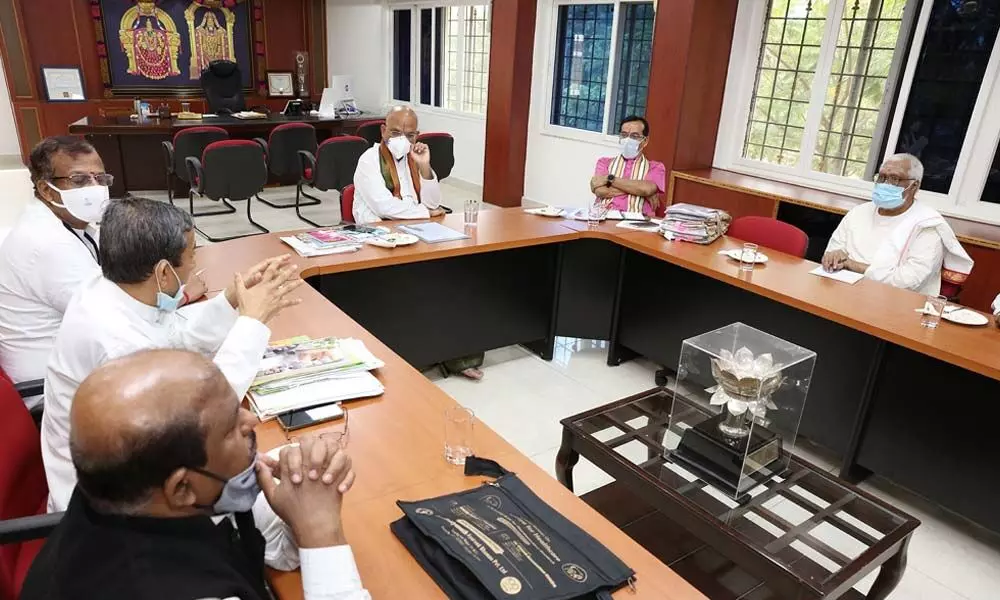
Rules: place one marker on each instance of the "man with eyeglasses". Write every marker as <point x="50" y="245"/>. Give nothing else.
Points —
<point x="897" y="240"/>
<point x="394" y="179"/>
<point x="629" y="182"/>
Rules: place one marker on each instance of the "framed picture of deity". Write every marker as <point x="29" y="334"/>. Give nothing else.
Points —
<point x="161" y="47"/>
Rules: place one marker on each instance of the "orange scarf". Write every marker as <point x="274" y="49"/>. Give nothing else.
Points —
<point x="391" y="177"/>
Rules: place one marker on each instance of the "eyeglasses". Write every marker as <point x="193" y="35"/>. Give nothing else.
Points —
<point x="337" y="434"/>
<point x="632" y="136"/>
<point x="891" y="180"/>
<point x="412" y="136"/>
<point x="83" y="179"/>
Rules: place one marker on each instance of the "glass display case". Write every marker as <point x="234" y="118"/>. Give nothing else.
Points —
<point x="738" y="401"/>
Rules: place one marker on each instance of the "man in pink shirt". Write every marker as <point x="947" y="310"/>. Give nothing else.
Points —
<point x="630" y="182"/>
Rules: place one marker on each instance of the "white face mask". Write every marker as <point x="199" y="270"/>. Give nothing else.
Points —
<point x="398" y="146"/>
<point x="630" y="148"/>
<point x="86" y="203"/>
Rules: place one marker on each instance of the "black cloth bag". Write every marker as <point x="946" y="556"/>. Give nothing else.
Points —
<point x="502" y="541"/>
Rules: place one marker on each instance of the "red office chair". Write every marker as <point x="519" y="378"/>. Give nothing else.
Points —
<point x="282" y="150"/>
<point x="347" y="205"/>
<point x="442" y="147"/>
<point x="371" y="131"/>
<point x="23" y="491"/>
<point x="189" y="142"/>
<point x="770" y="233"/>
<point x="229" y="170"/>
<point x="331" y="169"/>
<point x="950" y="289"/>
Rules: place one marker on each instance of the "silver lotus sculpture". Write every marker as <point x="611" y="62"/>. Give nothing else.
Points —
<point x="746" y="384"/>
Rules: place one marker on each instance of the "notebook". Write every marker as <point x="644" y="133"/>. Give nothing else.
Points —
<point x="433" y="232"/>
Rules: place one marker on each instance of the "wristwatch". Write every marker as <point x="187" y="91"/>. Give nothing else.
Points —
<point x="611" y="179"/>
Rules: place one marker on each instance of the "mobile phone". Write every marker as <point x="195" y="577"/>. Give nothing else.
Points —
<point x="307" y="417"/>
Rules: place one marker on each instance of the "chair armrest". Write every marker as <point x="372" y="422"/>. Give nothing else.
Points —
<point x="25" y="529"/>
<point x="307" y="161"/>
<point x="195" y="173"/>
<point x="168" y="155"/>
<point x="34" y="387"/>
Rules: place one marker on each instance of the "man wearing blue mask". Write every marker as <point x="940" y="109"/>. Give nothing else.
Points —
<point x="169" y="501"/>
<point x="896" y="239"/>
<point x="147" y="252"/>
<point x="630" y="182"/>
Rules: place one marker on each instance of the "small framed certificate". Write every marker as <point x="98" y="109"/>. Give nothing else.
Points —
<point x="63" y="84"/>
<point x="280" y="84"/>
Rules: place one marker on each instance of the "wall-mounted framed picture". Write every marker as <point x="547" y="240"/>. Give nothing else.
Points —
<point x="63" y="84"/>
<point x="280" y="84"/>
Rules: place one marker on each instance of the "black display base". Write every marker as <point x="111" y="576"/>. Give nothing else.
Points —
<point x="719" y="459"/>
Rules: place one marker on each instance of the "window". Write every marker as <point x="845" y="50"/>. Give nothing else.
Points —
<point x="401" y="57"/>
<point x="819" y="91"/>
<point x="583" y="64"/>
<point x="453" y="50"/>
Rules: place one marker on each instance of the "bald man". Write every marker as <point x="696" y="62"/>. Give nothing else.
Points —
<point x="394" y="179"/>
<point x="168" y="502"/>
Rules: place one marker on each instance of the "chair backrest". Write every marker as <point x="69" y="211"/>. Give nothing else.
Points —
<point x="442" y="147"/>
<point x="23" y="490"/>
<point x="233" y="169"/>
<point x="192" y="142"/>
<point x="222" y="82"/>
<point x="337" y="160"/>
<point x="347" y="204"/>
<point x="371" y="131"/>
<point x="950" y="290"/>
<point x="283" y="147"/>
<point x="770" y="233"/>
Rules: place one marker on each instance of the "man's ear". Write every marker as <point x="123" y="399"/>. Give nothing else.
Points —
<point x="178" y="491"/>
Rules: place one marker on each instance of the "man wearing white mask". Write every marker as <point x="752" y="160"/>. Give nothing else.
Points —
<point x="630" y="182"/>
<point x="394" y="179"/>
<point x="897" y="240"/>
<point x="50" y="252"/>
<point x="147" y="252"/>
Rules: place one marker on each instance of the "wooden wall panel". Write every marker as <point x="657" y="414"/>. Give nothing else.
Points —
<point x="984" y="283"/>
<point x="738" y="204"/>
<point x="280" y="21"/>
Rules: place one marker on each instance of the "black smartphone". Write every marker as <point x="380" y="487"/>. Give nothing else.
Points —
<point x="307" y="417"/>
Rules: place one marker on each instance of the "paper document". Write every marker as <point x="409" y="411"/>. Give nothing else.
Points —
<point x="842" y="275"/>
<point x="433" y="232"/>
<point x="306" y="251"/>
<point x="338" y="389"/>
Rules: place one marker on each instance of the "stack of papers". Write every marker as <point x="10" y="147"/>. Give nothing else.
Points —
<point x="301" y="373"/>
<point x="849" y="277"/>
<point x="433" y="232"/>
<point x="332" y="240"/>
<point x="691" y="223"/>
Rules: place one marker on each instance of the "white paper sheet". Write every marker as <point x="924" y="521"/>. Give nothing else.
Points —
<point x="849" y="277"/>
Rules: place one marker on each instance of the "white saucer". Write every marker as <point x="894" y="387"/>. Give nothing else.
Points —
<point x="737" y="254"/>
<point x="965" y="316"/>
<point x="546" y="211"/>
<point x="391" y="240"/>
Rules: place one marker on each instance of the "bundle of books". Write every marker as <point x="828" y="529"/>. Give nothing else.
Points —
<point x="302" y="373"/>
<point x="691" y="223"/>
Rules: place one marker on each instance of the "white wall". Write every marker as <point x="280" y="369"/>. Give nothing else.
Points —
<point x="15" y="183"/>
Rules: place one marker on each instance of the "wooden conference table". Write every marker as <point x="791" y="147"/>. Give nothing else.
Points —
<point x="878" y="394"/>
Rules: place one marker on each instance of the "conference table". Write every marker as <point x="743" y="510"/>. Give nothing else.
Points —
<point x="877" y="397"/>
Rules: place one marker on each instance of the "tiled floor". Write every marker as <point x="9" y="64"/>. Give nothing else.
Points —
<point x="949" y="559"/>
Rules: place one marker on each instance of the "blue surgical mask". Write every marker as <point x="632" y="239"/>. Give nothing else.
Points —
<point x="888" y="196"/>
<point x="630" y="148"/>
<point x="240" y="491"/>
<point x="168" y="303"/>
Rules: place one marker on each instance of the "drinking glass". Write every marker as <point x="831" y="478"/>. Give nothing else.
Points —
<point x="596" y="213"/>
<point x="748" y="257"/>
<point x="458" y="425"/>
<point x="933" y="309"/>
<point x="185" y="107"/>
<point x="472" y="212"/>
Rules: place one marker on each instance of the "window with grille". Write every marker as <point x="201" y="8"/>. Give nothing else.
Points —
<point x="635" y="50"/>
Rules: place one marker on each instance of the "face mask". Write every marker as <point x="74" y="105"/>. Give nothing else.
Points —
<point x="630" y="148"/>
<point x="888" y="196"/>
<point x="86" y="203"/>
<point x="168" y="303"/>
<point x="240" y="491"/>
<point x="399" y="147"/>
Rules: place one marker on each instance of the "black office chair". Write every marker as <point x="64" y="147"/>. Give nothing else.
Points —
<point x="442" y="147"/>
<point x="222" y="83"/>
<point x="229" y="170"/>
<point x="191" y="141"/>
<point x="282" y="150"/>
<point x="332" y="168"/>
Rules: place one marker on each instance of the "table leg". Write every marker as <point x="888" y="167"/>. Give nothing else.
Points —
<point x="890" y="574"/>
<point x="566" y="459"/>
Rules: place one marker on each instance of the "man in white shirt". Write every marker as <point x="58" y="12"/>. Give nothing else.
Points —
<point x="896" y="240"/>
<point x="50" y="252"/>
<point x="394" y="179"/>
<point x="147" y="251"/>
<point x="169" y="501"/>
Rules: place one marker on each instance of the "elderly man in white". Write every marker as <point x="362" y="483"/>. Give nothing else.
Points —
<point x="896" y="240"/>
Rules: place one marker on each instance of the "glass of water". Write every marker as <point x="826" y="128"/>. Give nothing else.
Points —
<point x="748" y="257"/>
<point x="185" y="107"/>
<point x="458" y="426"/>
<point x="596" y="213"/>
<point x="934" y="306"/>
<point x="472" y="212"/>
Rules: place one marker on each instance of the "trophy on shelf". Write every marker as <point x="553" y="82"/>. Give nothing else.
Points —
<point x="738" y="400"/>
<point x="302" y="74"/>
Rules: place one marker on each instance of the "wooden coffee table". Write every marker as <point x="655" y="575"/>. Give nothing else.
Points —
<point x="788" y="552"/>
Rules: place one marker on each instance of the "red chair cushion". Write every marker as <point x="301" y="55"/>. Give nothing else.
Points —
<point x="771" y="233"/>
<point x="200" y="129"/>
<point x="343" y="138"/>
<point x="347" y="204"/>
<point x="286" y="127"/>
<point x="309" y="173"/>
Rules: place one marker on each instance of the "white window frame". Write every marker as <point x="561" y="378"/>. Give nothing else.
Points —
<point x="975" y="159"/>
<point x="415" y="8"/>
<point x="552" y="47"/>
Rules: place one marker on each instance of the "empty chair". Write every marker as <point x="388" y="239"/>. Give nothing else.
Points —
<point x="222" y="82"/>
<point x="332" y="168"/>
<point x="371" y="131"/>
<point x="770" y="233"/>
<point x="229" y="170"/>
<point x="347" y="204"/>
<point x="188" y="142"/>
<point x="442" y="147"/>
<point x="282" y="150"/>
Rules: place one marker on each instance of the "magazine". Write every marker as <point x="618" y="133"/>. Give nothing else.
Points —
<point x="301" y="361"/>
